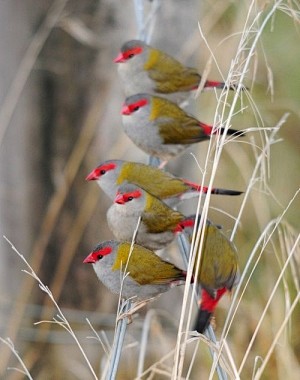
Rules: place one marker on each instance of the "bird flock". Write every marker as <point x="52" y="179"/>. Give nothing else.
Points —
<point x="143" y="215"/>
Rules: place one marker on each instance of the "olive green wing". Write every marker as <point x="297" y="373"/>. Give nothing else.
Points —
<point x="159" y="217"/>
<point x="170" y="75"/>
<point x="146" y="268"/>
<point x="153" y="180"/>
<point x="219" y="264"/>
<point x="181" y="132"/>
<point x="175" y="125"/>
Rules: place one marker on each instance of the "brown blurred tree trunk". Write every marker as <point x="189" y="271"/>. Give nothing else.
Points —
<point x="21" y="190"/>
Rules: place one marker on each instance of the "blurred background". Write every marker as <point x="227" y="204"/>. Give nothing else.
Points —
<point x="60" y="101"/>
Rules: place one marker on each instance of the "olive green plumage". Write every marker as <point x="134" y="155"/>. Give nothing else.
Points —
<point x="159" y="217"/>
<point x="219" y="260"/>
<point x="161" y="68"/>
<point x="175" y="125"/>
<point x="144" y="266"/>
<point x="159" y="183"/>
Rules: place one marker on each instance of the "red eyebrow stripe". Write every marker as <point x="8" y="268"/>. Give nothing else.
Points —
<point x="134" y="51"/>
<point x="139" y="103"/>
<point x="109" y="166"/>
<point x="96" y="173"/>
<point x="104" y="251"/>
<point x="93" y="257"/>
<point x="133" y="194"/>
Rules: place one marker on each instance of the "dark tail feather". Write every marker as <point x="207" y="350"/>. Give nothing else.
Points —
<point x="207" y="307"/>
<point x="202" y="321"/>
<point x="231" y="132"/>
<point x="225" y="191"/>
<point x="214" y="84"/>
<point x="234" y="87"/>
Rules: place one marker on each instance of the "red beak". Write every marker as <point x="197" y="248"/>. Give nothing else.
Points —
<point x="92" y="176"/>
<point x="125" y="110"/>
<point x="119" y="199"/>
<point x="119" y="58"/>
<point x="89" y="259"/>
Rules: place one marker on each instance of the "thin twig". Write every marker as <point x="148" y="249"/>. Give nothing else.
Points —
<point x="104" y="343"/>
<point x="10" y="344"/>
<point x="63" y="321"/>
<point x="275" y="340"/>
<point x="268" y="304"/>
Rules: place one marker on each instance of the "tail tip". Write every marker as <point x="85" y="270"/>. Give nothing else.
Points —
<point x="203" y="321"/>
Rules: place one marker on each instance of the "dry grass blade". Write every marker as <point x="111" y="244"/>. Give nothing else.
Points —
<point x="259" y="372"/>
<point x="60" y="320"/>
<point x="287" y="262"/>
<point x="11" y="346"/>
<point x="103" y="341"/>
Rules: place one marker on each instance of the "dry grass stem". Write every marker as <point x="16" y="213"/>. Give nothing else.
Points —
<point x="60" y="318"/>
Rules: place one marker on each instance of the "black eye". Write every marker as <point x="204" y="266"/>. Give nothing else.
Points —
<point x="99" y="257"/>
<point x="129" y="199"/>
<point x="130" y="55"/>
<point x="102" y="171"/>
<point x="136" y="108"/>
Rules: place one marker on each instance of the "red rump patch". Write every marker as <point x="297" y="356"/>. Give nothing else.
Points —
<point x="100" y="171"/>
<point x="128" y="109"/>
<point x="208" y="302"/>
<point x="211" y="83"/>
<point x="207" y="129"/>
<point x="185" y="223"/>
<point x="203" y="189"/>
<point x="178" y="229"/>
<point x="195" y="186"/>
<point x="188" y="223"/>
